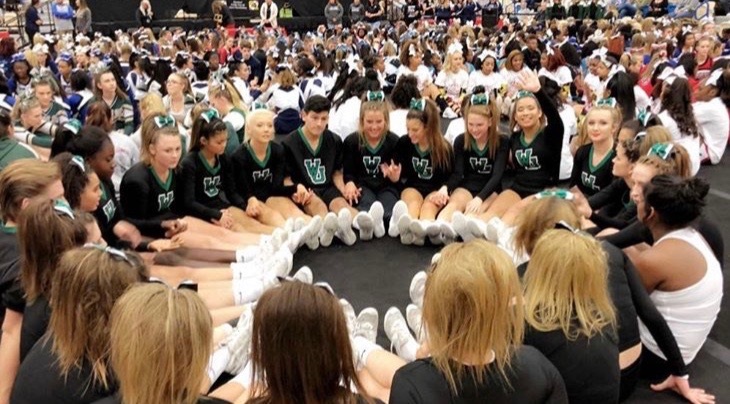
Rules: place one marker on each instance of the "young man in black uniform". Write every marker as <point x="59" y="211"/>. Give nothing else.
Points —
<point x="314" y="165"/>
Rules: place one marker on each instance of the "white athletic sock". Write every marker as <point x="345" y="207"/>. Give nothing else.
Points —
<point x="217" y="363"/>
<point x="248" y="290"/>
<point x="408" y="350"/>
<point x="362" y="349"/>
<point x="248" y="253"/>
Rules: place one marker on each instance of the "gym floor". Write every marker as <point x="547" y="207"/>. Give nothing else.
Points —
<point x="378" y="273"/>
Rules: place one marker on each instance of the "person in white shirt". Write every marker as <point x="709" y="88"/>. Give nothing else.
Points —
<point x="406" y="88"/>
<point x="485" y="74"/>
<point x="711" y="112"/>
<point x="411" y="58"/>
<point x="677" y="115"/>
<point x="453" y="79"/>
<point x="269" y="13"/>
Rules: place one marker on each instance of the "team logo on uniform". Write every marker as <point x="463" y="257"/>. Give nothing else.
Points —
<point x="109" y="210"/>
<point x="422" y="167"/>
<point x="210" y="186"/>
<point x="165" y="200"/>
<point x="527" y="160"/>
<point x="372" y="164"/>
<point x="315" y="170"/>
<point x="480" y="165"/>
<point x="589" y="181"/>
<point x="262" y="175"/>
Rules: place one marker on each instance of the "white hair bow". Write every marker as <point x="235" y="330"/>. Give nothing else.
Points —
<point x="714" y="76"/>
<point x="668" y="75"/>
<point x="455" y="47"/>
<point x="412" y="51"/>
<point x="487" y="53"/>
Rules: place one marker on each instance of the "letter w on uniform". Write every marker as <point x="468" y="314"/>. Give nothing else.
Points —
<point x="315" y="171"/>
<point x="372" y="164"/>
<point x="527" y="160"/>
<point x="480" y="165"/>
<point x="422" y="168"/>
<point x="165" y="200"/>
<point x="210" y="186"/>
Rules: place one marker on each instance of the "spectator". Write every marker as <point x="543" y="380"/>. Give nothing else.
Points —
<point x="333" y="11"/>
<point x="63" y="15"/>
<point x="83" y="17"/>
<point x="357" y="12"/>
<point x="269" y="12"/>
<point x="32" y="19"/>
<point x="145" y="14"/>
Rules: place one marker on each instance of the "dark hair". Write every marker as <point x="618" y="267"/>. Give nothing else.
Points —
<point x="79" y="80"/>
<point x="162" y="71"/>
<point x="317" y="103"/>
<point x="552" y="90"/>
<point x="203" y="129"/>
<point x="5" y="124"/>
<point x="677" y="202"/>
<point x="89" y="141"/>
<point x="99" y="114"/>
<point x="73" y="177"/>
<point x="357" y="86"/>
<point x="677" y="101"/>
<point x="621" y="87"/>
<point x="305" y="67"/>
<point x="7" y="47"/>
<point x="689" y="63"/>
<point x="406" y="89"/>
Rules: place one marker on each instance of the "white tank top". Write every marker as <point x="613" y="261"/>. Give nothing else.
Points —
<point x="690" y="312"/>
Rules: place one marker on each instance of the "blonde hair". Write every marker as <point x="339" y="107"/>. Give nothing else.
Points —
<point x="488" y="111"/>
<point x="150" y="133"/>
<point x="472" y="308"/>
<point x="448" y="63"/>
<point x="542" y="215"/>
<point x="566" y="286"/>
<point x="227" y="91"/>
<point x="152" y="104"/>
<point x="24" y="179"/>
<point x="161" y="340"/>
<point x="373" y="106"/>
<point x="677" y="163"/>
<point x="255" y="116"/>
<point x="616" y="116"/>
<point x="85" y="285"/>
<point x="654" y="135"/>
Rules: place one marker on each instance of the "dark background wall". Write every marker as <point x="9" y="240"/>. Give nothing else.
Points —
<point x="124" y="10"/>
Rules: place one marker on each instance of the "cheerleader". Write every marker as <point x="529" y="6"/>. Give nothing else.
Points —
<point x="480" y="158"/>
<point x="366" y="152"/>
<point x="179" y="99"/>
<point x="207" y="179"/>
<point x="453" y="80"/>
<point x="423" y="163"/>
<point x="225" y="100"/>
<point x="593" y="163"/>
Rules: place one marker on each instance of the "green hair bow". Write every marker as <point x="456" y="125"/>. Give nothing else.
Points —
<point x="63" y="208"/>
<point x="418" y="104"/>
<point x="661" y="150"/>
<point x="556" y="193"/>
<point x="73" y="125"/>
<point x="209" y="115"/>
<point x="163" y="121"/>
<point x="479" y="99"/>
<point x="375" y="96"/>
<point x="607" y="102"/>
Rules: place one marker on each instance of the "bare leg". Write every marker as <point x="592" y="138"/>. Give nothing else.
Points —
<point x="413" y="200"/>
<point x="217" y="298"/>
<point x="175" y="275"/>
<point x="382" y="366"/>
<point x="485" y="205"/>
<point x="457" y="203"/>
<point x="338" y="204"/>
<point x="316" y="207"/>
<point x="241" y="239"/>
<point x="504" y="201"/>
<point x="428" y="209"/>
<point x="286" y="208"/>
<point x="209" y="255"/>
<point x="372" y="387"/>
<point x="248" y="223"/>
